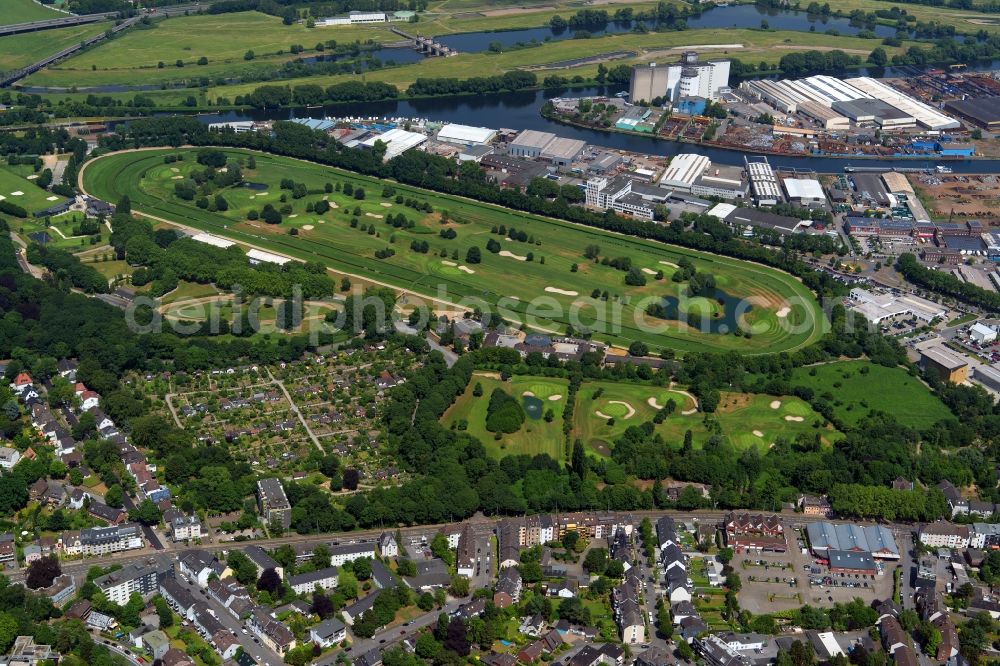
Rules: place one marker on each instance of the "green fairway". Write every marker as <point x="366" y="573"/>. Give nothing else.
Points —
<point x="857" y="387"/>
<point x="744" y="420"/>
<point x="17" y="51"/>
<point x="16" y="188"/>
<point x="347" y="237"/>
<point x="25" y="11"/>
<point x="535" y="436"/>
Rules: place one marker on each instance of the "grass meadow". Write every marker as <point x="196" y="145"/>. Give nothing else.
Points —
<point x="25" y="11"/>
<point x="858" y="387"/>
<point x="17" y="51"/>
<point x="546" y="285"/>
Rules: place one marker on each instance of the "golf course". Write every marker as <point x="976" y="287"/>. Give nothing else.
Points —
<point x="430" y="254"/>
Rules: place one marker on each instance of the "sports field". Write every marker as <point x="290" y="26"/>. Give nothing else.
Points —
<point x="25" y="11"/>
<point x="857" y="387"/>
<point x="535" y="436"/>
<point x="604" y="410"/>
<point x="543" y="291"/>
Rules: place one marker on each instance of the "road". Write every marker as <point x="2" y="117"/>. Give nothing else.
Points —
<point x="251" y="644"/>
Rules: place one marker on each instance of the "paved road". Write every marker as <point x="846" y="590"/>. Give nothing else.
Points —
<point x="251" y="645"/>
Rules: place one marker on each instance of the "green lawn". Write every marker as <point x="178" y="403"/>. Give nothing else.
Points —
<point x="17" y="51"/>
<point x="744" y="420"/>
<point x="60" y="233"/>
<point x="545" y="286"/>
<point x="858" y="387"/>
<point x="535" y="436"/>
<point x="25" y="11"/>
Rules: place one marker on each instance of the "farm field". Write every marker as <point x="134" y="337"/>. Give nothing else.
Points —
<point x="347" y="237"/>
<point x="535" y="436"/>
<point x="858" y="387"/>
<point x="25" y="11"/>
<point x="17" y="51"/>
<point x="743" y="420"/>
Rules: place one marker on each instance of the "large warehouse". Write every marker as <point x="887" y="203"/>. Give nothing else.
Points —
<point x="530" y="143"/>
<point x="464" y="135"/>
<point x="684" y="170"/>
<point x="875" y="540"/>
<point x="397" y="142"/>
<point x="984" y="111"/>
<point x="925" y="114"/>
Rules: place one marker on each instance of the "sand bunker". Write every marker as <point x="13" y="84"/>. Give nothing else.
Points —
<point x="670" y="263"/>
<point x="307" y="227"/>
<point x="528" y="394"/>
<point x="689" y="412"/>
<point x="2" y="197"/>
<point x="775" y="404"/>
<point x="758" y="433"/>
<point x="507" y="253"/>
<point x="182" y="178"/>
<point x="175" y="169"/>
<point x="377" y="217"/>
<point x="32" y="176"/>
<point x="601" y="414"/>
<point x="52" y="198"/>
<point x="385" y="204"/>
<point x="466" y="269"/>
<point x="654" y="404"/>
<point x="292" y="217"/>
<point x="794" y="418"/>
<point x="649" y="271"/>
<point x="555" y="397"/>
<point x="334" y="205"/>
<point x="783" y="312"/>
<point x="19" y="193"/>
<point x="563" y="292"/>
<point x="449" y="263"/>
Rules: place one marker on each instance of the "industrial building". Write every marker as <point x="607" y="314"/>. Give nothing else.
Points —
<point x="529" y="143"/>
<point x="397" y="141"/>
<point x="688" y="78"/>
<point x="354" y="18"/>
<point x="725" y="182"/>
<point x="982" y="333"/>
<point x="684" y="170"/>
<point x="983" y="111"/>
<point x="925" y="114"/>
<point x="617" y="195"/>
<point x="867" y="110"/>
<point x="562" y="151"/>
<point x="948" y="366"/>
<point x="804" y="191"/>
<point x="465" y="135"/>
<point x="988" y="376"/>
<point x="876" y="540"/>
<point x="763" y="182"/>
<point x="877" y="308"/>
<point x="825" y="116"/>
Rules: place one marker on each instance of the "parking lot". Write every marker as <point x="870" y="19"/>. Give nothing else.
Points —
<point x="781" y="581"/>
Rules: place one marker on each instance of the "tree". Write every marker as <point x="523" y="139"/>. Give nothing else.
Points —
<point x="42" y="572"/>
<point x="596" y="561"/>
<point x="570" y="539"/>
<point x="638" y="348"/>
<point x="269" y="581"/>
<point x="146" y="513"/>
<point x="163" y="612"/>
<point x="321" y="556"/>
<point x="322" y="605"/>
<point x="459" y="586"/>
<point x="441" y="549"/>
<point x="878" y="57"/>
<point x="115" y="496"/>
<point x="473" y="255"/>
<point x="573" y="610"/>
<point x="8" y="630"/>
<point x="456" y="638"/>
<point x="243" y="569"/>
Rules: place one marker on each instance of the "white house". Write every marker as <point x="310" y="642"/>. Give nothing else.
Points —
<point x="328" y="632"/>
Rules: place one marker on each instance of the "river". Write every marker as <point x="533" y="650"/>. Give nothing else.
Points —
<point x="520" y="110"/>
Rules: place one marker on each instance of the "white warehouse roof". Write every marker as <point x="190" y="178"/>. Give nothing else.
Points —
<point x="925" y="114"/>
<point x="398" y="141"/>
<point x="212" y="240"/>
<point x="257" y="256"/>
<point x="803" y="188"/>
<point x="456" y="133"/>
<point x="684" y="169"/>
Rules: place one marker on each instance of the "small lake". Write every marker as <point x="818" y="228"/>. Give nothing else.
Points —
<point x="532" y="406"/>
<point x="725" y="319"/>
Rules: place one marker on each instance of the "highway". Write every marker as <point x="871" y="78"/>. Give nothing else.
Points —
<point x="83" y="19"/>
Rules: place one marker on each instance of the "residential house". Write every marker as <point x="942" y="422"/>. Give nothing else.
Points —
<point x="328" y="633"/>
<point x="508" y="589"/>
<point x="273" y="502"/>
<point x="746" y="531"/>
<point x="349" y="552"/>
<point x="305" y="583"/>
<point x="263" y="561"/>
<point x="942" y="534"/>
<point x="183" y="528"/>
<point x="9" y="457"/>
<point x="118" y="586"/>
<point x="271" y="632"/>
<point x="178" y="597"/>
<point x="25" y="652"/>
